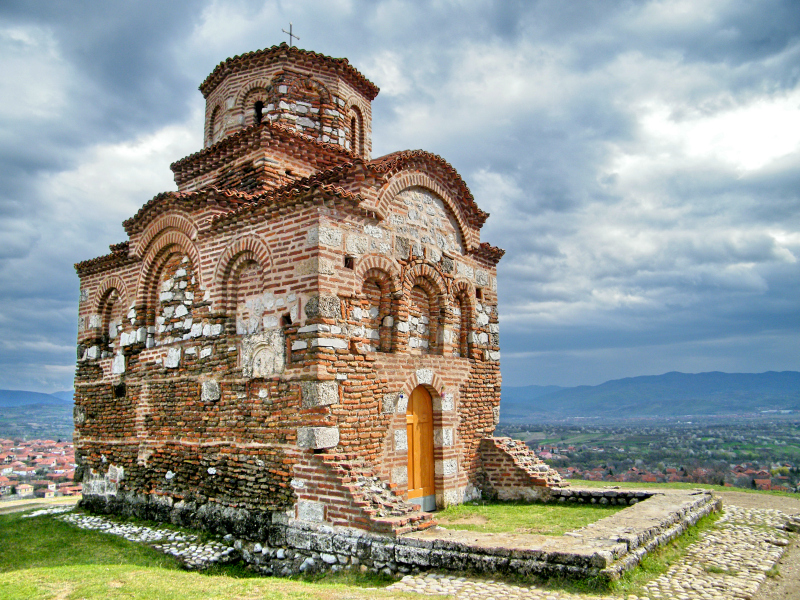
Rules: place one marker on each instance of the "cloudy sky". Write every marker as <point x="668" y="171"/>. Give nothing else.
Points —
<point x="640" y="160"/>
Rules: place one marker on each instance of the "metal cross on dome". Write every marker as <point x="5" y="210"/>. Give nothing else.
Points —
<point x="291" y="35"/>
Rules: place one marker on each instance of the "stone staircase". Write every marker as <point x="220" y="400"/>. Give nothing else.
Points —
<point x="386" y="511"/>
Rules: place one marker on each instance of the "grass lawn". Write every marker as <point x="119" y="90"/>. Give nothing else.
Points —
<point x="677" y="485"/>
<point x="42" y="558"/>
<point x="517" y="517"/>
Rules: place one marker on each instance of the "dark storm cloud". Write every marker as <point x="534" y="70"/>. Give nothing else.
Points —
<point x="637" y="159"/>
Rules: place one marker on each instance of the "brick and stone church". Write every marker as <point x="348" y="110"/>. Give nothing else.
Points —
<point x="300" y="333"/>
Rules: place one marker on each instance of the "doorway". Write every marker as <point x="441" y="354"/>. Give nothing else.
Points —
<point x="419" y="429"/>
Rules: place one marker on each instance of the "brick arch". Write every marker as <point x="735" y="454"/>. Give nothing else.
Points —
<point x="166" y="221"/>
<point x="427" y="278"/>
<point x="258" y="84"/>
<point x="435" y="384"/>
<point x="405" y="180"/>
<point x="109" y="284"/>
<point x="162" y="247"/>
<point x="217" y="110"/>
<point x="247" y="95"/>
<point x="465" y="288"/>
<point x="358" y="138"/>
<point x="240" y="251"/>
<point x="379" y="263"/>
<point x="422" y="272"/>
<point x="309" y="82"/>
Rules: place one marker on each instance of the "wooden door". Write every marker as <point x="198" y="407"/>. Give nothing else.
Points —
<point x="419" y="427"/>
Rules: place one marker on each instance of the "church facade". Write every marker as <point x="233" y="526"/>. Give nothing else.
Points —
<point x="301" y="332"/>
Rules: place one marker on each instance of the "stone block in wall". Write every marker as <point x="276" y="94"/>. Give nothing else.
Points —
<point x="446" y="468"/>
<point x="319" y="393"/>
<point x="118" y="364"/>
<point x="424" y="376"/>
<point x="465" y="271"/>
<point x="392" y="401"/>
<point x="481" y="278"/>
<point x="210" y="391"/>
<point x="308" y="510"/>
<point x="448" y="264"/>
<point x="173" y="358"/>
<point x="442" y="437"/>
<point x="400" y="475"/>
<point x="444" y="403"/>
<point x="329" y="307"/>
<point x="400" y="439"/>
<point x="263" y="354"/>
<point x="317" y="438"/>
<point x="330" y="236"/>
<point x="356" y="244"/>
<point x="402" y="246"/>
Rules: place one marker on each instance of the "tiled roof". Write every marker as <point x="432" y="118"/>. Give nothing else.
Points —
<point x="166" y="200"/>
<point x="340" y="66"/>
<point x="249" y="138"/>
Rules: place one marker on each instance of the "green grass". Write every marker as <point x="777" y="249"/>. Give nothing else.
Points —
<point x="519" y="517"/>
<point x="676" y="485"/>
<point x="42" y="558"/>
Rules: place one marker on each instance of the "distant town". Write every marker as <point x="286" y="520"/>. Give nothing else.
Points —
<point x="758" y="454"/>
<point x="37" y="469"/>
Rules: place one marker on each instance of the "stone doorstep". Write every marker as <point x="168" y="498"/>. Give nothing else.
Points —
<point x="607" y="547"/>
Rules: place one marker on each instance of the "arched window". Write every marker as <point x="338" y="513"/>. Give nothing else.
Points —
<point x="461" y="314"/>
<point x="112" y="314"/>
<point x="258" y="112"/>
<point x="177" y="294"/>
<point x="376" y="308"/>
<point x="215" y="129"/>
<point x="423" y="321"/>
<point x="246" y="285"/>
<point x="355" y="136"/>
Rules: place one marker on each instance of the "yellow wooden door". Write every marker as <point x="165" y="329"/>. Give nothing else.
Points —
<point x="419" y="427"/>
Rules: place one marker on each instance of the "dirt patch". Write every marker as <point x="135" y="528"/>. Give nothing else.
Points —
<point x="472" y="520"/>
<point x="785" y="585"/>
<point x="785" y="504"/>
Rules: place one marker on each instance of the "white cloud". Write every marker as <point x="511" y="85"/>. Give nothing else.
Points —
<point x="36" y="79"/>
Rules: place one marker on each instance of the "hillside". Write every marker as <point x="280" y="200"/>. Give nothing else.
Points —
<point x="24" y="398"/>
<point x="669" y="395"/>
<point x="30" y="415"/>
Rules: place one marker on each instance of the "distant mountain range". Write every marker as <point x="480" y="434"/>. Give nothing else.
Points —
<point x="669" y="395"/>
<point x="10" y="398"/>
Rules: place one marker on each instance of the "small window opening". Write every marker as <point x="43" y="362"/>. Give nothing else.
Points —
<point x="119" y="390"/>
<point x="479" y="293"/>
<point x="349" y="262"/>
<point x="258" y="111"/>
<point x="286" y="320"/>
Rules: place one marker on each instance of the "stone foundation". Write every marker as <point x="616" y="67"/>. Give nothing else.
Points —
<point x="275" y="544"/>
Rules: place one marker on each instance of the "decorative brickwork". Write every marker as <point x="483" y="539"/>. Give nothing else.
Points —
<point x="248" y="354"/>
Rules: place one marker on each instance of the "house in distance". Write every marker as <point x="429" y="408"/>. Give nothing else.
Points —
<point x="301" y="333"/>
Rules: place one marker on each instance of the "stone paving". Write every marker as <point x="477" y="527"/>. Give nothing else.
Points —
<point x="187" y="547"/>
<point x="730" y="561"/>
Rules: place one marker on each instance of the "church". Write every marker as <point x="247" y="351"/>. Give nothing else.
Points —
<point x="301" y="333"/>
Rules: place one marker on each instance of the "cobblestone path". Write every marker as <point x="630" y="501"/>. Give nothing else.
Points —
<point x="730" y="561"/>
